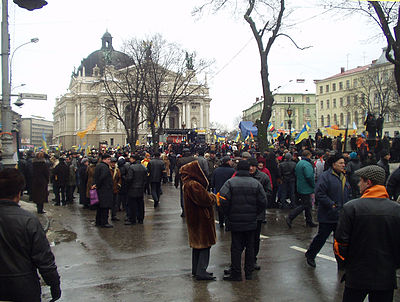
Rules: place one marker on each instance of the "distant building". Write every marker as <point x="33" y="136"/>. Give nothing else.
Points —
<point x="33" y="130"/>
<point x="299" y="95"/>
<point x="346" y="97"/>
<point x="74" y="111"/>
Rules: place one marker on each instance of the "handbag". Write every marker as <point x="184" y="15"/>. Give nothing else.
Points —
<point x="94" y="198"/>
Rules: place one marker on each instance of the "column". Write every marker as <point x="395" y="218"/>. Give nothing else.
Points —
<point x="201" y="115"/>
<point x="180" y="115"/>
<point x="188" y="123"/>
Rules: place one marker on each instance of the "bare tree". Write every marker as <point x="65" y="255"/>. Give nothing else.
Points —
<point x="124" y="91"/>
<point x="386" y="15"/>
<point x="376" y="92"/>
<point x="171" y="78"/>
<point x="269" y="14"/>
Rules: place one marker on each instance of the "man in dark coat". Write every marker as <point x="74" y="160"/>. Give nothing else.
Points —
<point x="40" y="181"/>
<point x="220" y="175"/>
<point x="379" y="125"/>
<point x="243" y="199"/>
<point x="367" y="241"/>
<point x="384" y="163"/>
<point x="332" y="192"/>
<point x="135" y="184"/>
<point x="103" y="183"/>
<point x="25" y="248"/>
<point x="393" y="185"/>
<point x="199" y="218"/>
<point x="187" y="158"/>
<point x="266" y="184"/>
<point x="60" y="180"/>
<point x="156" y="170"/>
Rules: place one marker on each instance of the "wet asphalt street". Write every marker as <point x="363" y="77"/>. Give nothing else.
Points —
<point x="152" y="262"/>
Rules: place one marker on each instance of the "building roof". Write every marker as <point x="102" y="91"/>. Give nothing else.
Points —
<point x="106" y="55"/>
<point x="344" y="72"/>
<point x="297" y="86"/>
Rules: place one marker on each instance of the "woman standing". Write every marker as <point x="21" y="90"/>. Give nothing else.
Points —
<point x="40" y="181"/>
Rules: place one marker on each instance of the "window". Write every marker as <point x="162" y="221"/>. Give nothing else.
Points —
<point x="341" y="102"/>
<point x="322" y="104"/>
<point x="289" y="99"/>
<point x="327" y="104"/>
<point x="356" y="117"/>
<point x="334" y="103"/>
<point x="194" y="107"/>
<point x="348" y="118"/>
<point x="308" y="111"/>
<point x="307" y="99"/>
<point x="355" y="83"/>
<point x="111" y="141"/>
<point x="322" y="120"/>
<point x="328" y="120"/>
<point x="321" y="89"/>
<point x="376" y="100"/>
<point x="335" y="119"/>
<point x="347" y="84"/>
<point x="327" y="88"/>
<point x="348" y="101"/>
<point x="334" y="87"/>
<point x="355" y="100"/>
<point x="342" y="119"/>
<point x="340" y="86"/>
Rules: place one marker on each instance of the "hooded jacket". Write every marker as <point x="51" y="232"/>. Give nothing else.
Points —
<point x="367" y="240"/>
<point x="198" y="206"/>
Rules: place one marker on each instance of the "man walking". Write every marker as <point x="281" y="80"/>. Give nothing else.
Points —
<point x="305" y="187"/>
<point x="136" y="182"/>
<point x="243" y="199"/>
<point x="24" y="246"/>
<point x="156" y="169"/>
<point x="331" y="193"/>
<point x="367" y="240"/>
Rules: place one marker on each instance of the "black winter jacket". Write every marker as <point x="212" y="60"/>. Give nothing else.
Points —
<point x="136" y="179"/>
<point x="104" y="184"/>
<point x="266" y="184"/>
<point x="393" y="185"/>
<point x="24" y="250"/>
<point x="220" y="176"/>
<point x="243" y="199"/>
<point x="367" y="237"/>
<point x="156" y="169"/>
<point x="287" y="170"/>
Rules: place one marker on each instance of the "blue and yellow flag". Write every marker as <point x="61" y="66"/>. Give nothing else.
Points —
<point x="308" y="126"/>
<point x="237" y="136"/>
<point x="302" y="135"/>
<point x="44" y="143"/>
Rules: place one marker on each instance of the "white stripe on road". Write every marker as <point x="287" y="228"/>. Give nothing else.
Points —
<point x="261" y="235"/>
<point x="319" y="255"/>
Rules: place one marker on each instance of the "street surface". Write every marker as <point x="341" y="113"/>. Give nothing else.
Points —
<point x="152" y="262"/>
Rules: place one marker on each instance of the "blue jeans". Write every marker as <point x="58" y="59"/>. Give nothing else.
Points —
<point x="324" y="230"/>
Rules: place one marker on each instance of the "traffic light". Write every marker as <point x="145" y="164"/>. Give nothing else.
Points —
<point x="30" y="4"/>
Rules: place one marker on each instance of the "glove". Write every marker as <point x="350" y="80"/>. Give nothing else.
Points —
<point x="55" y="292"/>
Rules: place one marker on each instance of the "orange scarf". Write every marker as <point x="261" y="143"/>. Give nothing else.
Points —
<point x="377" y="191"/>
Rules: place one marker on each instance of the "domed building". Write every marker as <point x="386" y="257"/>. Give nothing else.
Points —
<point x="75" y="111"/>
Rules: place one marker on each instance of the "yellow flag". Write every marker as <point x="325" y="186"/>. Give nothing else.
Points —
<point x="90" y="127"/>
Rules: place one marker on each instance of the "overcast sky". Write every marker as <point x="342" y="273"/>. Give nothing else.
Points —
<point x="69" y="30"/>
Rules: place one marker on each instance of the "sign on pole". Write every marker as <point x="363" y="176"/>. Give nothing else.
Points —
<point x="33" y="96"/>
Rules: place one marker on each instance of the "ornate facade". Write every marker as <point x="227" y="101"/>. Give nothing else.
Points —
<point x="75" y="110"/>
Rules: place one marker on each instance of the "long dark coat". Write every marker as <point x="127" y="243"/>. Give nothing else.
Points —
<point x="40" y="181"/>
<point x="104" y="184"/>
<point x="198" y="207"/>
<point x="83" y="176"/>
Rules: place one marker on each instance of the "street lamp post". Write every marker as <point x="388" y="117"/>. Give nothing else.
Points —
<point x="33" y="40"/>
<point x="289" y="112"/>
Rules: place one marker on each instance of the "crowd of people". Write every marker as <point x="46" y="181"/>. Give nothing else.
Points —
<point x="239" y="183"/>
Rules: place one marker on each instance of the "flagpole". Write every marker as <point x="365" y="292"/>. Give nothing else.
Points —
<point x="345" y="136"/>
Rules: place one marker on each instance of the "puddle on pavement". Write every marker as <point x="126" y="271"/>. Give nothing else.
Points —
<point x="63" y="236"/>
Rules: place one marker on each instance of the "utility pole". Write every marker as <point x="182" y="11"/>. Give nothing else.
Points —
<point x="6" y="135"/>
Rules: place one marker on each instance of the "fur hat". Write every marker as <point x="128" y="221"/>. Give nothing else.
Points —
<point x="374" y="173"/>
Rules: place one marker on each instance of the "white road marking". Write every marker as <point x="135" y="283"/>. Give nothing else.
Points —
<point x="319" y="255"/>
<point x="261" y="235"/>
